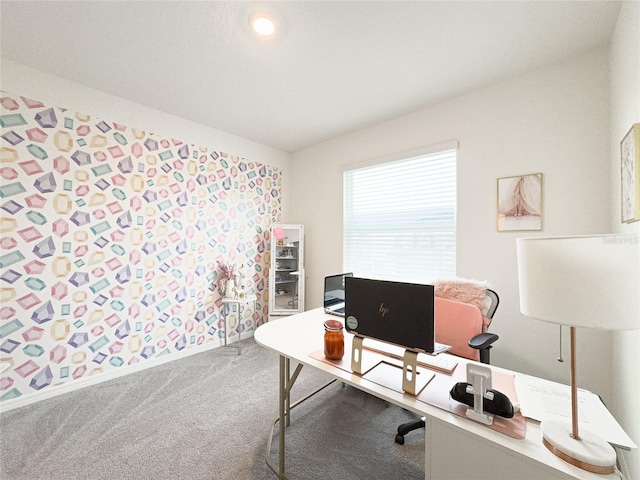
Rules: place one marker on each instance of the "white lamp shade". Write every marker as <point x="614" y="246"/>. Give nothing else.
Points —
<point x="585" y="281"/>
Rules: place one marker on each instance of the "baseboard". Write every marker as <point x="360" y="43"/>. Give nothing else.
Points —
<point x="54" y="391"/>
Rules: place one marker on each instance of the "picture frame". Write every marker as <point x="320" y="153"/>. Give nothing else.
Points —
<point x="630" y="175"/>
<point x="519" y="203"/>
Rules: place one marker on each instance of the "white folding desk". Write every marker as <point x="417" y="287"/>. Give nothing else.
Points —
<point x="455" y="447"/>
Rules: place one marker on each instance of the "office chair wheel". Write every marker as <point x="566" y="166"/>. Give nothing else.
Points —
<point x="408" y="427"/>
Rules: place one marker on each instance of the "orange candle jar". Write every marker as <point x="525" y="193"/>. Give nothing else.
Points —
<point x="333" y="340"/>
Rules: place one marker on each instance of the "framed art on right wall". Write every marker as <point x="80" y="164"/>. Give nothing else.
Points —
<point x="630" y="170"/>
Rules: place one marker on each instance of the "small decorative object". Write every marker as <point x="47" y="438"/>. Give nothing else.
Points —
<point x="333" y="340"/>
<point x="630" y="169"/>
<point x="226" y="274"/>
<point x="238" y="293"/>
<point x="520" y="203"/>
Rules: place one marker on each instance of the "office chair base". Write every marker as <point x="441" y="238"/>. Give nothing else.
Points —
<point x="406" y="428"/>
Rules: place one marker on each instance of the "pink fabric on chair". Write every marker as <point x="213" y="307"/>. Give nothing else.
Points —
<point x="456" y="323"/>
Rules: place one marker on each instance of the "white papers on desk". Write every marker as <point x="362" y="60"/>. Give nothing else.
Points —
<point x="545" y="400"/>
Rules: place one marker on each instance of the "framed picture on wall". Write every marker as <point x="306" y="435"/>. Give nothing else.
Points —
<point x="630" y="169"/>
<point x="520" y="203"/>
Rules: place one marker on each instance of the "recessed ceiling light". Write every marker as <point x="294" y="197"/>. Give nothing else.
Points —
<point x="263" y="25"/>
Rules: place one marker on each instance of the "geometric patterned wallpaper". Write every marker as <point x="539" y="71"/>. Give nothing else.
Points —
<point x="109" y="242"/>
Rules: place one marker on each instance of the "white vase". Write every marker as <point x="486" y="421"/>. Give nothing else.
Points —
<point x="228" y="291"/>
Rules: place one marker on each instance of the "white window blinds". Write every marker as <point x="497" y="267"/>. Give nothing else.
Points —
<point x="400" y="219"/>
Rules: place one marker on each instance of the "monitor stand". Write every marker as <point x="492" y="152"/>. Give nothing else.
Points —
<point x="413" y="380"/>
<point x="356" y="355"/>
<point x="359" y="364"/>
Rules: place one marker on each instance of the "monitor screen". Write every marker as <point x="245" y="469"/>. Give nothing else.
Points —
<point x="394" y="312"/>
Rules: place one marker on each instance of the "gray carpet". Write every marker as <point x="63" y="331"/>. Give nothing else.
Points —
<point x="206" y="417"/>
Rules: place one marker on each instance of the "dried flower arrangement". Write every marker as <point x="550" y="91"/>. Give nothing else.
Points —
<point x="226" y="272"/>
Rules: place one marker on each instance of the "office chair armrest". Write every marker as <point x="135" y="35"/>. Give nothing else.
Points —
<point x="483" y="341"/>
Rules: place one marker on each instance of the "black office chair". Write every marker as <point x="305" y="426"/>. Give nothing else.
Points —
<point x="482" y="342"/>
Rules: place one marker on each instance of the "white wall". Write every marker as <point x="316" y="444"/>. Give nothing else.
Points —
<point x="555" y="121"/>
<point x="50" y="89"/>
<point x="625" y="111"/>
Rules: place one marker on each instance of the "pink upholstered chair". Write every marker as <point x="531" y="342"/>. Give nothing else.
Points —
<point x="464" y="327"/>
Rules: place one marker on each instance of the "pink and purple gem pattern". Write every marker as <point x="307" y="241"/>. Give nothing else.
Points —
<point x="109" y="242"/>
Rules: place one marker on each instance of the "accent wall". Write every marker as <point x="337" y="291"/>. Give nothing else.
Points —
<point x="110" y="236"/>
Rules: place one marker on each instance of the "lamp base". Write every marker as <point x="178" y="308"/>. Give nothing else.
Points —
<point x="590" y="452"/>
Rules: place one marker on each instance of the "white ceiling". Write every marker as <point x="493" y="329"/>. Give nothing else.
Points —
<point x="332" y="68"/>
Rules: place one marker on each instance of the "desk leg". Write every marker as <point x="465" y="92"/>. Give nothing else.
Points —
<point x="286" y="382"/>
<point x="284" y="406"/>
<point x="287" y="399"/>
<point x="284" y="410"/>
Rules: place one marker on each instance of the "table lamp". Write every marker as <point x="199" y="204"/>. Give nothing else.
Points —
<point x="582" y="281"/>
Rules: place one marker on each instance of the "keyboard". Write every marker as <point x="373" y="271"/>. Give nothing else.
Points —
<point x="338" y="311"/>
<point x="442" y="363"/>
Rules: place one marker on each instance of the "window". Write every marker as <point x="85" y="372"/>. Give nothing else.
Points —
<point x="400" y="218"/>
